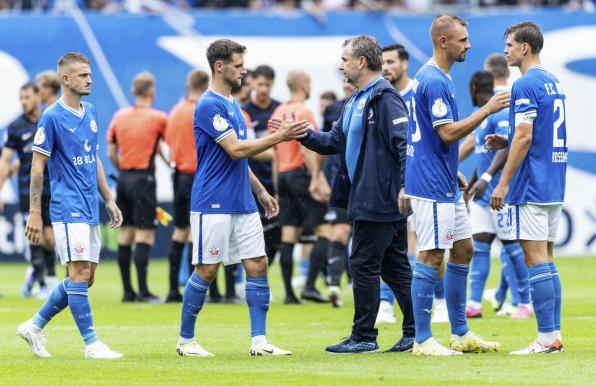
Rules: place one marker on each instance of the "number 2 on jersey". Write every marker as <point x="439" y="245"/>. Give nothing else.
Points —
<point x="558" y="105"/>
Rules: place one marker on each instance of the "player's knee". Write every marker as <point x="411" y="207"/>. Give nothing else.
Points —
<point x="207" y="272"/>
<point x="341" y="233"/>
<point x="433" y="257"/>
<point x="180" y="235"/>
<point x="80" y="272"/>
<point x="484" y="237"/>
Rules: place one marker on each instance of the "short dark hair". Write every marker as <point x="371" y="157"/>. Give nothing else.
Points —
<point x="264" y="70"/>
<point x="497" y="65"/>
<point x="142" y="83"/>
<point x="329" y="95"/>
<point x="527" y="32"/>
<point x="368" y="47"/>
<point x="30" y="85"/>
<point x="402" y="54"/>
<point x="223" y="49"/>
<point x="482" y="86"/>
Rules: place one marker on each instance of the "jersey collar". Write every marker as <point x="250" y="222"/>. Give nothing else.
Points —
<point x="229" y="99"/>
<point x="409" y="86"/>
<point x="434" y="64"/>
<point x="75" y="112"/>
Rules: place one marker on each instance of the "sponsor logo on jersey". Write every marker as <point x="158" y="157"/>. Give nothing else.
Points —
<point x="93" y="126"/>
<point x="26" y="136"/>
<point x="214" y="250"/>
<point x="439" y="108"/>
<point x="40" y="136"/>
<point x="79" y="248"/>
<point x="219" y="123"/>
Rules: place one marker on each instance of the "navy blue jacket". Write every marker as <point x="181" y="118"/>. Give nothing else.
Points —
<point x="380" y="169"/>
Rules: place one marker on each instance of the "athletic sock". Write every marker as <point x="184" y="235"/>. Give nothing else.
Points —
<point x="78" y="301"/>
<point x="286" y="262"/>
<point x="50" y="261"/>
<point x="175" y="258"/>
<point x="456" y="283"/>
<point x="257" y="298"/>
<point x="511" y="278"/>
<point x="141" y="257"/>
<point x="516" y="259"/>
<point x="423" y="284"/>
<point x="439" y="288"/>
<point x="57" y="301"/>
<point x="335" y="262"/>
<point x="386" y="293"/>
<point x="479" y="270"/>
<point x="318" y="260"/>
<point x="558" y="296"/>
<point x="124" y="254"/>
<point x="501" y="293"/>
<point x="304" y="266"/>
<point x="38" y="263"/>
<point x="194" y="298"/>
<point x="543" y="300"/>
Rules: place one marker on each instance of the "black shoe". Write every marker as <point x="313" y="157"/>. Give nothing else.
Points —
<point x="350" y="346"/>
<point x="174" y="297"/>
<point x="129" y="297"/>
<point x="149" y="298"/>
<point x="405" y="344"/>
<point x="292" y="299"/>
<point x="314" y="295"/>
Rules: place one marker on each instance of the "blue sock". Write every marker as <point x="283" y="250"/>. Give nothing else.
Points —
<point x="192" y="302"/>
<point x="78" y="301"/>
<point x="386" y="293"/>
<point x="509" y="271"/>
<point x="423" y="284"/>
<point x="239" y="274"/>
<point x="501" y="293"/>
<point x="412" y="261"/>
<point x="520" y="271"/>
<point x="456" y="284"/>
<point x="57" y="301"/>
<point x="479" y="270"/>
<point x="257" y="298"/>
<point x="440" y="288"/>
<point x="557" y="287"/>
<point x="304" y="267"/>
<point x="543" y="296"/>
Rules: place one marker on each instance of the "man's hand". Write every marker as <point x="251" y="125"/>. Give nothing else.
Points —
<point x="34" y="226"/>
<point x="319" y="189"/>
<point x="477" y="190"/>
<point x="498" y="197"/>
<point x="288" y="129"/>
<point x="498" y="102"/>
<point x="403" y="203"/>
<point x="462" y="181"/>
<point x="269" y="204"/>
<point x="495" y="142"/>
<point x="115" y="214"/>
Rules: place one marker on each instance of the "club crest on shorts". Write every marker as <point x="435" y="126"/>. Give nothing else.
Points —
<point x="79" y="248"/>
<point x="219" y="123"/>
<point x="449" y="235"/>
<point x="439" y="108"/>
<point x="40" y="136"/>
<point x="214" y="250"/>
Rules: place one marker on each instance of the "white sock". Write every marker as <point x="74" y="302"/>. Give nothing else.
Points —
<point x="182" y="340"/>
<point x="474" y="305"/>
<point x="259" y="340"/>
<point x="558" y="334"/>
<point x="440" y="302"/>
<point x="547" y="337"/>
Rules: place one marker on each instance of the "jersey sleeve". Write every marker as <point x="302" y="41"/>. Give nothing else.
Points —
<point x="438" y="99"/>
<point x="11" y="139"/>
<point x="212" y="118"/>
<point x="501" y="121"/>
<point x="525" y="103"/>
<point x="44" y="137"/>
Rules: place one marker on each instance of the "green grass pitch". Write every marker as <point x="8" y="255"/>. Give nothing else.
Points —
<point x="147" y="336"/>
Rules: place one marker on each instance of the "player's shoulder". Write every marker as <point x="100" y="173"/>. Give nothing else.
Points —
<point x="52" y="112"/>
<point x="210" y="101"/>
<point x="429" y="76"/>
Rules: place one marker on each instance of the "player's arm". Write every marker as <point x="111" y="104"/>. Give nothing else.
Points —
<point x="106" y="194"/>
<point x="325" y="143"/>
<point x="34" y="225"/>
<point x="454" y="131"/>
<point x="267" y="202"/>
<point x="466" y="147"/>
<point x="5" y="167"/>
<point x="113" y="155"/>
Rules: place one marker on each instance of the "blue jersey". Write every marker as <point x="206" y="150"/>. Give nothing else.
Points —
<point x="19" y="137"/>
<point x="407" y="94"/>
<point x="497" y="123"/>
<point x="69" y="139"/>
<point x="431" y="165"/>
<point x="221" y="184"/>
<point x="540" y="179"/>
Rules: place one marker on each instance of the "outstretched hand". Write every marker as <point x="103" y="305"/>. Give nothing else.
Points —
<point x="288" y="128"/>
<point x="498" y="102"/>
<point x="495" y="142"/>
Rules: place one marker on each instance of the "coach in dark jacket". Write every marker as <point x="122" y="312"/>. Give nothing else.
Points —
<point x="371" y="136"/>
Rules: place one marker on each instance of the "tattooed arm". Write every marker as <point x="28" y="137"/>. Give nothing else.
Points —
<point x="34" y="224"/>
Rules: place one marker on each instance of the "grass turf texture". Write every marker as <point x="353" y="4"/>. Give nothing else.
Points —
<point x="147" y="335"/>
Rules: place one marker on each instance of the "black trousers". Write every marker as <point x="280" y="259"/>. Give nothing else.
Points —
<point x="380" y="250"/>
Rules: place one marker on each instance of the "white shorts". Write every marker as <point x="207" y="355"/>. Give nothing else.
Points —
<point x="77" y="242"/>
<point x="535" y="222"/>
<point x="439" y="224"/>
<point x="485" y="220"/>
<point x="226" y="238"/>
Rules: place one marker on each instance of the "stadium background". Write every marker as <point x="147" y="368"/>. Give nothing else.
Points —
<point x="172" y="42"/>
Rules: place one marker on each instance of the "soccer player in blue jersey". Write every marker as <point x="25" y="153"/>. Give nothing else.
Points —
<point x="440" y="218"/>
<point x="67" y="141"/>
<point x="225" y="223"/>
<point x="533" y="179"/>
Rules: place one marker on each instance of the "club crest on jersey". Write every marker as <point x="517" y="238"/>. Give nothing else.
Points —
<point x="449" y="235"/>
<point x="40" y="136"/>
<point x="214" y="250"/>
<point x="79" y="248"/>
<point x="219" y="123"/>
<point x="361" y="103"/>
<point x="439" y="108"/>
<point x="93" y="126"/>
